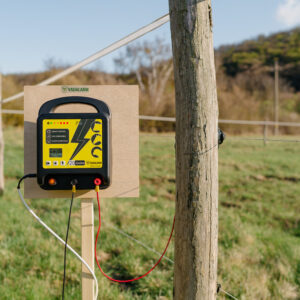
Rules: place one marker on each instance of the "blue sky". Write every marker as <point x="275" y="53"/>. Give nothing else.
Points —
<point x="33" y="31"/>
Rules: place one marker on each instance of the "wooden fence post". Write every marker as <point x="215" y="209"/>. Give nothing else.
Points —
<point x="265" y="134"/>
<point x="276" y="96"/>
<point x="196" y="239"/>
<point x="1" y="144"/>
<point x="87" y="248"/>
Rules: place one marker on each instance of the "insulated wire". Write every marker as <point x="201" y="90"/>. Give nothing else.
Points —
<point x="65" y="253"/>
<point x="133" y="279"/>
<point x="62" y="241"/>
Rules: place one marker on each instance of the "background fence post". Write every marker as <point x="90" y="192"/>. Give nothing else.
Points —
<point x="265" y="134"/>
<point x="87" y="248"/>
<point x="196" y="239"/>
<point x="276" y="96"/>
<point x="1" y="143"/>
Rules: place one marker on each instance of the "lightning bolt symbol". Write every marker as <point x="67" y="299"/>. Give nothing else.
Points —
<point x="79" y="135"/>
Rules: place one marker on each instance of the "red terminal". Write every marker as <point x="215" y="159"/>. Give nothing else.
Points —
<point x="97" y="181"/>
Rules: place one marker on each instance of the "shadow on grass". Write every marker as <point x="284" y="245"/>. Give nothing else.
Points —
<point x="119" y="272"/>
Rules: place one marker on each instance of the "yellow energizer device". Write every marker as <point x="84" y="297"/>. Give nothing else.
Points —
<point x="73" y="146"/>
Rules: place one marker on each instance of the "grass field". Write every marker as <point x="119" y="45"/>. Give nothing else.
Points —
<point x="259" y="231"/>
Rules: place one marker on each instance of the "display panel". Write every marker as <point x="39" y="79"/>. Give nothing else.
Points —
<point x="55" y="152"/>
<point x="72" y="143"/>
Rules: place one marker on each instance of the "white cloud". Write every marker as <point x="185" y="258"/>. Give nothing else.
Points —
<point x="288" y="12"/>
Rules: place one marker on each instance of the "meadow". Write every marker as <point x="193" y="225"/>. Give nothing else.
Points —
<point x="259" y="231"/>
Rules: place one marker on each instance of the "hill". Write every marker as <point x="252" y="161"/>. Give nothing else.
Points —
<point x="245" y="77"/>
<point x="259" y="55"/>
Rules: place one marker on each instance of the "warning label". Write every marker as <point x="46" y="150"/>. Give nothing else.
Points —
<point x="72" y="143"/>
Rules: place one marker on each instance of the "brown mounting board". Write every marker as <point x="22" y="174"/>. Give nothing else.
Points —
<point x="123" y="103"/>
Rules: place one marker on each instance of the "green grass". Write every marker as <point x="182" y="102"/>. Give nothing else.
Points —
<point x="259" y="231"/>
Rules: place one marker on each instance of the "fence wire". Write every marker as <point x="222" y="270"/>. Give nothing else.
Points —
<point x="265" y="140"/>
<point x="138" y="242"/>
<point x="228" y="138"/>
<point x="118" y="230"/>
<point x="111" y="48"/>
<point x="228" y="294"/>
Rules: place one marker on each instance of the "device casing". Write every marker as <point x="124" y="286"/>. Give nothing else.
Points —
<point x="84" y="176"/>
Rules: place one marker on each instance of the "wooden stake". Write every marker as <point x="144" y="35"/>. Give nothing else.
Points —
<point x="1" y="144"/>
<point x="276" y="96"/>
<point x="87" y="247"/>
<point x="196" y="150"/>
<point x="265" y="134"/>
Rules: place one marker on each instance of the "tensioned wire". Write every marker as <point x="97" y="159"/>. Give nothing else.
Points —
<point x="114" y="46"/>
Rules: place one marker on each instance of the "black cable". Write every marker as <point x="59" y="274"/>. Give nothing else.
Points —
<point x="65" y="254"/>
<point x="69" y="221"/>
<point x="24" y="177"/>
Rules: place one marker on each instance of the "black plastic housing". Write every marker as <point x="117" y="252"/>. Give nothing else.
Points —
<point x="84" y="176"/>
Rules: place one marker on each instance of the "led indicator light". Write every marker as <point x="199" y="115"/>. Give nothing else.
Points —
<point x="52" y="181"/>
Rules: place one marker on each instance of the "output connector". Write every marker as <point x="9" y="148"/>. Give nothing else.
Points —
<point x="73" y="183"/>
<point x="97" y="183"/>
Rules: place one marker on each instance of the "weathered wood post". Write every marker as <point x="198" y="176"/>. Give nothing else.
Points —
<point x="1" y="144"/>
<point x="196" y="150"/>
<point x="276" y="96"/>
<point x="87" y="248"/>
<point x="265" y="134"/>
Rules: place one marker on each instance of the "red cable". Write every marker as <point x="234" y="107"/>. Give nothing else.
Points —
<point x="134" y="279"/>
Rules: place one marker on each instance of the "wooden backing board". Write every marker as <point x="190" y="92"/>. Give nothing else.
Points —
<point x="123" y="103"/>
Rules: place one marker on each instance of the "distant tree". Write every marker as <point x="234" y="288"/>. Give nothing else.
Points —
<point x="152" y="65"/>
<point x="52" y="63"/>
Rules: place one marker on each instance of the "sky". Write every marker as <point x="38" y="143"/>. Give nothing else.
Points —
<point x="32" y="31"/>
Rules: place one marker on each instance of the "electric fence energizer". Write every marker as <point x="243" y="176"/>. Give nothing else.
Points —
<point x="73" y="145"/>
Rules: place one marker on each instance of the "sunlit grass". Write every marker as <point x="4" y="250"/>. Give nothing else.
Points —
<point x="259" y="233"/>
